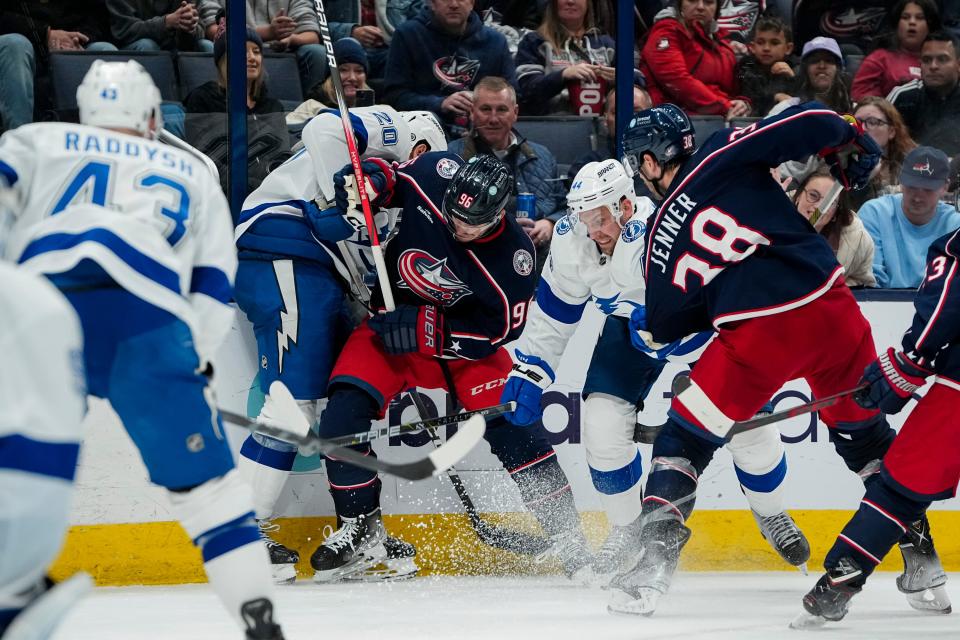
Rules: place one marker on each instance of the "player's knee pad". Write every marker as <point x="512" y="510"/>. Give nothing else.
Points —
<point x="675" y="441"/>
<point x="608" y="425"/>
<point x="671" y="489"/>
<point x="217" y="515"/>
<point x="761" y="467"/>
<point x="860" y="444"/>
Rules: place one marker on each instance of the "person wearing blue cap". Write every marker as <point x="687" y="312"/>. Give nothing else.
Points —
<point x="904" y="225"/>
<point x="353" y="65"/>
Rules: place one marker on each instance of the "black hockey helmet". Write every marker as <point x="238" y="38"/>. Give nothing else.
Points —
<point x="478" y="192"/>
<point x="664" y="131"/>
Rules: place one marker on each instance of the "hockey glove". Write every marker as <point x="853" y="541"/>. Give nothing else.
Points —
<point x="528" y="379"/>
<point x="893" y="378"/>
<point x="410" y="329"/>
<point x="853" y="163"/>
<point x="378" y="178"/>
<point x="642" y="339"/>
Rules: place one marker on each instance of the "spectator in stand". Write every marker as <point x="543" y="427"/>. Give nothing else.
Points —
<point x="155" y="25"/>
<point x="534" y="168"/>
<point x="899" y="63"/>
<point x="903" y="226"/>
<point x="353" y="65"/>
<point x="820" y="78"/>
<point x="437" y="57"/>
<point x="688" y="61"/>
<point x="285" y="26"/>
<point x="840" y="226"/>
<point x="566" y="65"/>
<point x="767" y="70"/>
<point x="883" y="123"/>
<point x="931" y="106"/>
<point x="360" y="19"/>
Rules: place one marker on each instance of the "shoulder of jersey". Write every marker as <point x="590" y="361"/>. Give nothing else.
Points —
<point x="636" y="227"/>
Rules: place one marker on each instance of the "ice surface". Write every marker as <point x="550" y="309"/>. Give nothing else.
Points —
<point x="712" y="606"/>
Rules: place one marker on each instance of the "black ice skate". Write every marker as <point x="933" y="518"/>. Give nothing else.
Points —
<point x="50" y="602"/>
<point x="923" y="577"/>
<point x="282" y="558"/>
<point x="785" y="537"/>
<point x="258" y="616"/>
<point x="357" y="545"/>
<point x="830" y="598"/>
<point x="637" y="591"/>
<point x="400" y="563"/>
<point x="571" y="550"/>
<point x="619" y="551"/>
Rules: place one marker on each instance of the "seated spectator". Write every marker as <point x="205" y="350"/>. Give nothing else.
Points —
<point x="883" y="123"/>
<point x="899" y="63"/>
<point x="534" y="168"/>
<point x="688" y="61"/>
<point x="903" y="226"/>
<point x="359" y="19"/>
<point x="436" y="58"/>
<point x="931" y="106"/>
<point x="285" y="26"/>
<point x="155" y="25"/>
<point x="840" y="226"/>
<point x="767" y="70"/>
<point x="820" y="78"/>
<point x="353" y="65"/>
<point x="29" y="30"/>
<point x="566" y="65"/>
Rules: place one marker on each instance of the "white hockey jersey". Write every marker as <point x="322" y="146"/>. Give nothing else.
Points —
<point x="152" y="216"/>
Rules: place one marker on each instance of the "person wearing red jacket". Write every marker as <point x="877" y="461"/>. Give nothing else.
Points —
<point x="688" y="61"/>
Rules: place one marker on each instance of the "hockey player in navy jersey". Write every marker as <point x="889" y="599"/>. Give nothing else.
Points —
<point x="923" y="463"/>
<point x="463" y="275"/>
<point x="595" y="254"/>
<point x="727" y="249"/>
<point x="298" y="255"/>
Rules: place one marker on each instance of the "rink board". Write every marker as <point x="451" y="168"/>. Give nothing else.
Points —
<point x="123" y="532"/>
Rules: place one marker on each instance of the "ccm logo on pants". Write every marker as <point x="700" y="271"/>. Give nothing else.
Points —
<point x="493" y="384"/>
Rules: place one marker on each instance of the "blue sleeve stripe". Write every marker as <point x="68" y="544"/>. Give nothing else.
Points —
<point x="246" y="214"/>
<point x="764" y="482"/>
<point x="619" y="480"/>
<point x="212" y="282"/>
<point x="555" y="307"/>
<point x="53" y="459"/>
<point x="139" y="262"/>
<point x="693" y="343"/>
<point x="8" y="173"/>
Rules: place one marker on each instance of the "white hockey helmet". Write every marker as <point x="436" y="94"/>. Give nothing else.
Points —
<point x="425" y="126"/>
<point x="119" y="95"/>
<point x="600" y="184"/>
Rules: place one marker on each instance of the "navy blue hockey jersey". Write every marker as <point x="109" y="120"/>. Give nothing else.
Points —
<point x="934" y="335"/>
<point x="483" y="287"/>
<point x="727" y="243"/>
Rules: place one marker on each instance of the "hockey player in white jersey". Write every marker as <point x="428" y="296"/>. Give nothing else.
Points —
<point x="298" y="255"/>
<point x="597" y="253"/>
<point x="137" y="235"/>
<point x="43" y="394"/>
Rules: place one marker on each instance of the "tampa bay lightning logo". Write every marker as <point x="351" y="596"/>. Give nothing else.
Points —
<point x="430" y="278"/>
<point x="633" y="230"/>
<point x="563" y="225"/>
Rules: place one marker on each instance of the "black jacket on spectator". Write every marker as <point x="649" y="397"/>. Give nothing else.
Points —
<point x="932" y="120"/>
<point x="34" y="19"/>
<point x="760" y="86"/>
<point x="131" y="20"/>
<point x="210" y="97"/>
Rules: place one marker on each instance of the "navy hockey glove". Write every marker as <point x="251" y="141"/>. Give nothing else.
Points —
<point x="853" y="163"/>
<point x="528" y="379"/>
<point x="893" y="378"/>
<point x="378" y="177"/>
<point x="410" y="329"/>
<point x="642" y="339"/>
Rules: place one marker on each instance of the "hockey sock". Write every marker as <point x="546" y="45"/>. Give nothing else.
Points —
<point x="355" y="491"/>
<point x="218" y="518"/>
<point x="861" y="443"/>
<point x="546" y="492"/>
<point x="679" y="457"/>
<point x="6" y="617"/>
<point x="265" y="463"/>
<point x="761" y="466"/>
<point x="616" y="465"/>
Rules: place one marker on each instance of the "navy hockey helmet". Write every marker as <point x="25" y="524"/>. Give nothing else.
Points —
<point x="478" y="192"/>
<point x="664" y="131"/>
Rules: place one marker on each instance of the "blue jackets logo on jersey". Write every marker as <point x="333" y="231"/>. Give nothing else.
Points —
<point x="523" y="262"/>
<point x="632" y="230"/>
<point x="447" y="168"/>
<point x="430" y="278"/>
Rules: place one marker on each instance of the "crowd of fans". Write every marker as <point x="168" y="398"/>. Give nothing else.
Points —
<point x="481" y="64"/>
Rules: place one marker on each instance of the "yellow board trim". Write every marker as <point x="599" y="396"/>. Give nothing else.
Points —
<point x="161" y="553"/>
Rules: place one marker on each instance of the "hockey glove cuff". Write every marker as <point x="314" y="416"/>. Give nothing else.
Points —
<point x="893" y="378"/>
<point x="642" y="339"/>
<point x="378" y="178"/>
<point x="853" y="163"/>
<point x="410" y="329"/>
<point x="528" y="378"/>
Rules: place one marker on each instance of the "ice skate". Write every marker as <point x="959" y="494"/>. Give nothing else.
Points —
<point x="618" y="552"/>
<point x="570" y="549"/>
<point x="923" y="580"/>
<point x="282" y="558"/>
<point x="829" y="599"/>
<point x="258" y="616"/>
<point x="638" y="590"/>
<point x="357" y="545"/>
<point x="50" y="606"/>
<point x="785" y="537"/>
<point x="400" y="563"/>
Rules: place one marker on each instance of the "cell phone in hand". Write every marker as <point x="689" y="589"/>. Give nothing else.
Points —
<point x="365" y="98"/>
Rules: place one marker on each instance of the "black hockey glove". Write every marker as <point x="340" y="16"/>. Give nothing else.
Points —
<point x="853" y="163"/>
<point x="893" y="377"/>
<point x="378" y="178"/>
<point x="410" y="329"/>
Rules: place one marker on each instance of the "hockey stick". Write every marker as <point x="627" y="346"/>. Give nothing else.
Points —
<point x="375" y="247"/>
<point x="511" y="540"/>
<point x="682" y="383"/>
<point x="831" y="199"/>
<point x="298" y="433"/>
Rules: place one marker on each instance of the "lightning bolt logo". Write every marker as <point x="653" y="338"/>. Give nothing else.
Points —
<point x="289" y="316"/>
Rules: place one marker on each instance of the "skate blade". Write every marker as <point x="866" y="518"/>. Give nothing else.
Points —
<point x="387" y="571"/>
<point x="934" y="600"/>
<point x="807" y="620"/>
<point x="802" y="568"/>
<point x="284" y="573"/>
<point x="644" y="604"/>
